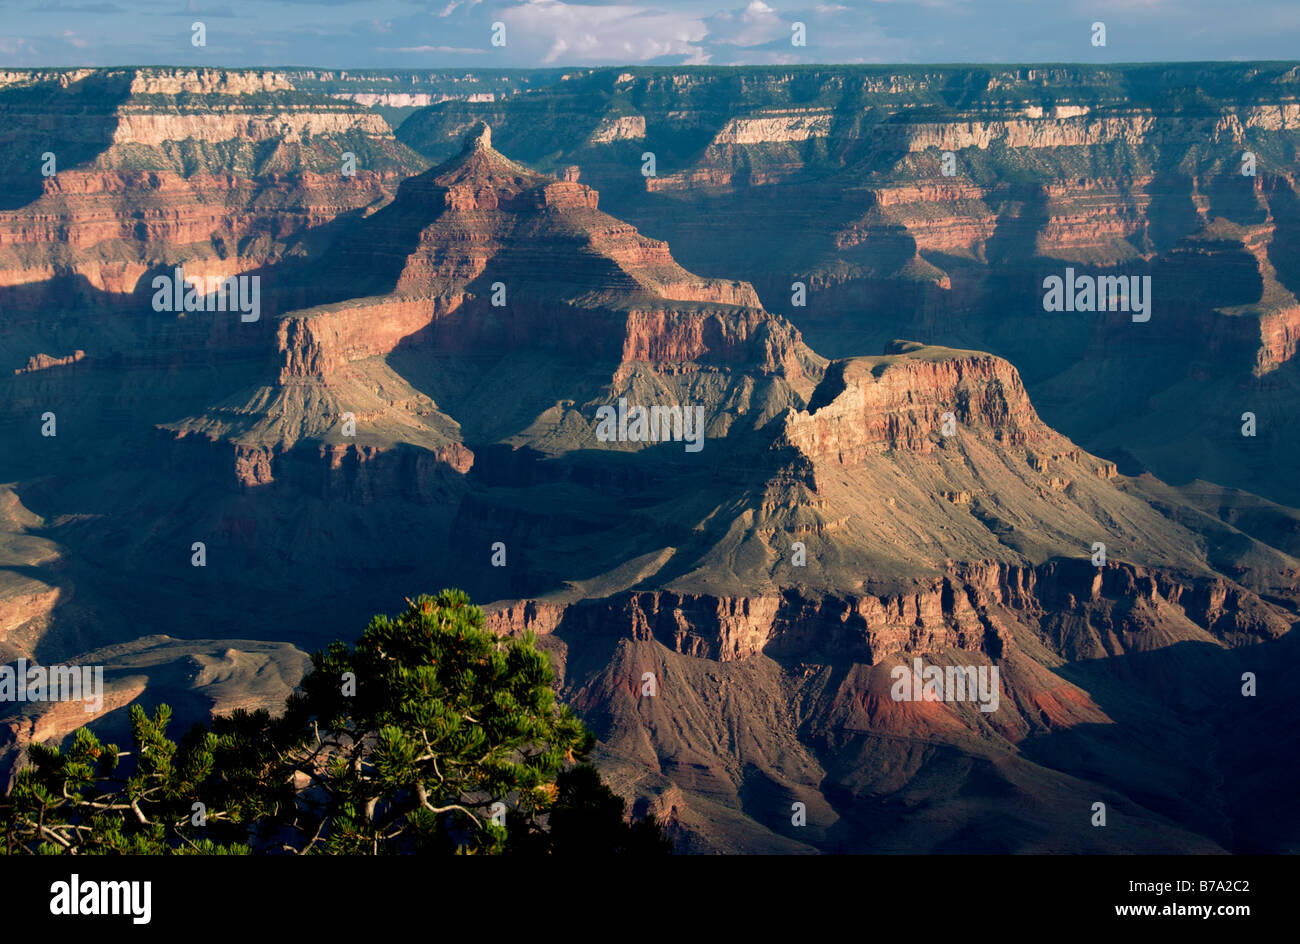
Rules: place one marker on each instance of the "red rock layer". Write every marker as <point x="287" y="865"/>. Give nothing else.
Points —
<point x="968" y="609"/>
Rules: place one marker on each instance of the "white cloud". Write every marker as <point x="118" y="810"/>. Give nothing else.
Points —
<point x="553" y="31"/>
<point x="756" y="24"/>
<point x="15" y="44"/>
<point x="451" y="6"/>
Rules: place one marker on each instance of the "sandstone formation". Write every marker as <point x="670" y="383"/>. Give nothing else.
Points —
<point x="836" y="177"/>
<point x="418" y="405"/>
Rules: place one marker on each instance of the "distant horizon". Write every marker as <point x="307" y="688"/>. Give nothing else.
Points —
<point x="775" y="67"/>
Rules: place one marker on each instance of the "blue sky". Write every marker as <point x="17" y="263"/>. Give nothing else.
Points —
<point x="457" y="33"/>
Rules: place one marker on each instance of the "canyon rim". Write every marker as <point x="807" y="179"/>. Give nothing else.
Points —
<point x="773" y="426"/>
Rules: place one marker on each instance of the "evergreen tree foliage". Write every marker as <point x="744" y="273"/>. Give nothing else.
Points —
<point x="429" y="734"/>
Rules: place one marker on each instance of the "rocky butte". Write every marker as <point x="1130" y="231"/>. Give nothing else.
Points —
<point x="834" y="177"/>
<point x="423" y="386"/>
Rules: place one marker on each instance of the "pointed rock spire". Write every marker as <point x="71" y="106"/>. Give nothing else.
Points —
<point x="479" y="137"/>
<point x="478" y="160"/>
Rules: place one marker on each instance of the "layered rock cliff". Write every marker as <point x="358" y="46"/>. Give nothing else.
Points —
<point x="418" y="406"/>
<point x="931" y="203"/>
<point x="421" y="275"/>
<point x="222" y="169"/>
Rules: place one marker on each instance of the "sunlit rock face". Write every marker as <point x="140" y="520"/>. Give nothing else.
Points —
<point x="418" y="404"/>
